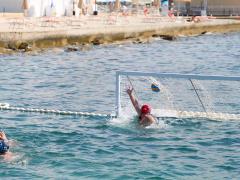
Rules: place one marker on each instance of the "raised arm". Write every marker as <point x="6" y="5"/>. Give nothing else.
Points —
<point x="134" y="100"/>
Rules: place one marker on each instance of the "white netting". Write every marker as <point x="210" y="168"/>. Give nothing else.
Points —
<point x="179" y="97"/>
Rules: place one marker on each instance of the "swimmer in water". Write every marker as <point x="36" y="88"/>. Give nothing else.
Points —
<point x="144" y="111"/>
<point x="4" y="146"/>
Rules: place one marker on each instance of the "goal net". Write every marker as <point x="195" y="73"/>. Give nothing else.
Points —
<point x="181" y="96"/>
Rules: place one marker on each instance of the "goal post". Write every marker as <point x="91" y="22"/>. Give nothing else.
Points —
<point x="186" y="85"/>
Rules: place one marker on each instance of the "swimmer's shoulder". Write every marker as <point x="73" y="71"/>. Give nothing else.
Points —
<point x="151" y="118"/>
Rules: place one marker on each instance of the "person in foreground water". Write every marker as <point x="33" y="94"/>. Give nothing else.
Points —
<point x="144" y="111"/>
<point x="4" y="146"/>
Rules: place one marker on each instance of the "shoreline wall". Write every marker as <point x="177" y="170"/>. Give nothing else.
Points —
<point x="110" y="34"/>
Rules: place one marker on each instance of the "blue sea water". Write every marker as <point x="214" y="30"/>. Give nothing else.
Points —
<point x="69" y="147"/>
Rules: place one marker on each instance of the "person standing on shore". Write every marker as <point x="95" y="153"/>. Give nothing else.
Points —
<point x="144" y="111"/>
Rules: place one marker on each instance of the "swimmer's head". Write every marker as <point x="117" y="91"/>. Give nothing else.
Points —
<point x="3" y="147"/>
<point x="145" y="109"/>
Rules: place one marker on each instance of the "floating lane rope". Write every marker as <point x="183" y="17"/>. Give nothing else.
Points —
<point x="6" y="106"/>
<point x="216" y="116"/>
<point x="210" y="115"/>
<point x="179" y="114"/>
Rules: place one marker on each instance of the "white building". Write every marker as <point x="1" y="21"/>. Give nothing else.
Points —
<point x="39" y="8"/>
<point x="216" y="7"/>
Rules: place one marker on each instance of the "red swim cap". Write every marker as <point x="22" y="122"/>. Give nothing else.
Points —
<point x="145" y="109"/>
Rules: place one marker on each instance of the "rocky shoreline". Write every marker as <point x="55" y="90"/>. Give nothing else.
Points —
<point x="96" y="33"/>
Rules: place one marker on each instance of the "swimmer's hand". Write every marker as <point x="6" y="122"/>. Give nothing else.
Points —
<point x="129" y="90"/>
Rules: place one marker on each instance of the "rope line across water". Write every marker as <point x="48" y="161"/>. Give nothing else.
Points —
<point x="6" y="106"/>
<point x="179" y="114"/>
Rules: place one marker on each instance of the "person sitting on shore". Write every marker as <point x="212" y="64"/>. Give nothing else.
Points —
<point x="195" y="19"/>
<point x="124" y="10"/>
<point x="171" y="14"/>
<point x="198" y="19"/>
<point x="145" y="11"/>
<point x="4" y="147"/>
<point x="144" y="111"/>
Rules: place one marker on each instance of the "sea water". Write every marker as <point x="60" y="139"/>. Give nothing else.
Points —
<point x="71" y="147"/>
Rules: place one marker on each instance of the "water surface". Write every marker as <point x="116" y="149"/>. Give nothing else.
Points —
<point x="68" y="147"/>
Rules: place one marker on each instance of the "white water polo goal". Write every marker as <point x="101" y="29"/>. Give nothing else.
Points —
<point x="181" y="95"/>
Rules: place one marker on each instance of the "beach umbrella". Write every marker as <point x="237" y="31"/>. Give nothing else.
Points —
<point x="156" y="3"/>
<point x="25" y="5"/>
<point x="52" y="4"/>
<point x="117" y="5"/>
<point x="80" y="4"/>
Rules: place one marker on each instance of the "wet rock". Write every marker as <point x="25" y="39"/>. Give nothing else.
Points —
<point x="168" y="37"/>
<point x="155" y="35"/>
<point x="85" y="47"/>
<point x="29" y="48"/>
<point x="138" y="41"/>
<point x="12" y="46"/>
<point x="24" y="47"/>
<point x="96" y="42"/>
<point x="74" y="44"/>
<point x="71" y="49"/>
<point x="6" y="51"/>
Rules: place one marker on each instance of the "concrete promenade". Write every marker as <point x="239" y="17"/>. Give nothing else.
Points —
<point x="19" y="33"/>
